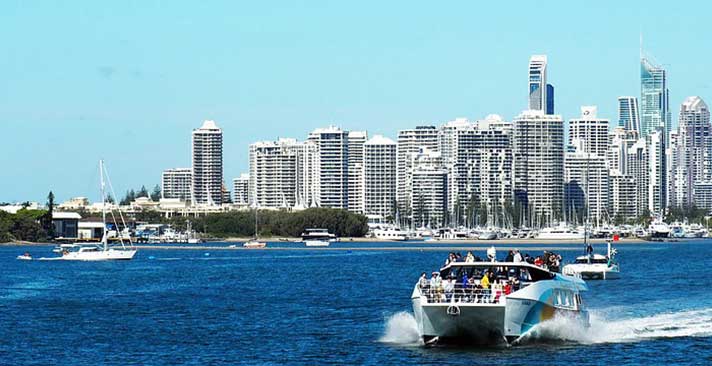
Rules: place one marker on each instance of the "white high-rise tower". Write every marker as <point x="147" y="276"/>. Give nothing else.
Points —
<point x="207" y="164"/>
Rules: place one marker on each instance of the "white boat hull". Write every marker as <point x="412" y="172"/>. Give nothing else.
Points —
<point x="254" y="245"/>
<point x="316" y="243"/>
<point x="592" y="271"/>
<point x="101" y="255"/>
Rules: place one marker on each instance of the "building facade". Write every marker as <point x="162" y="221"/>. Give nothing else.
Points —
<point x="356" y="141"/>
<point x="538" y="154"/>
<point x="691" y="152"/>
<point x="207" y="164"/>
<point x="176" y="183"/>
<point x="380" y="177"/>
<point x="628" y="113"/>
<point x="332" y="167"/>
<point x="241" y="189"/>
<point x="410" y="142"/>
<point x="589" y="133"/>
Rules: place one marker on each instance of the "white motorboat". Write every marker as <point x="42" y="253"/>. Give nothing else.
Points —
<point x="488" y="235"/>
<point x="391" y="233"/>
<point x="317" y="238"/>
<point x="561" y="232"/>
<point x="493" y="313"/>
<point x="595" y="266"/>
<point x="254" y="244"/>
<point x="99" y="251"/>
<point x="25" y="257"/>
<point x="659" y="229"/>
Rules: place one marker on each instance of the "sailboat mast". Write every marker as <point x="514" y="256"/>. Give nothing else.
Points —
<point x="103" y="203"/>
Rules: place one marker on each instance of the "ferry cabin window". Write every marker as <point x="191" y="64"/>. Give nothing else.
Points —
<point x="593" y="261"/>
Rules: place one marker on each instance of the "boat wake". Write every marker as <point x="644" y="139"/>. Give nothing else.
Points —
<point x="689" y="323"/>
<point x="401" y="329"/>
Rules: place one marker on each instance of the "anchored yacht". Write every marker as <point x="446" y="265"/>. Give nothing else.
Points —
<point x="560" y="233"/>
<point x="595" y="266"/>
<point x="484" y="311"/>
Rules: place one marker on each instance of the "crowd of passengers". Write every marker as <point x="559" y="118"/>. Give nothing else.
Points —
<point x="549" y="260"/>
<point x="480" y="285"/>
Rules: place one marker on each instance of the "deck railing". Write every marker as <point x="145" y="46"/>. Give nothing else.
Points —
<point x="466" y="293"/>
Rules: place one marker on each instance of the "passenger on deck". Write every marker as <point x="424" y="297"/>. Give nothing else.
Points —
<point x="449" y="287"/>
<point x="509" y="257"/>
<point x="470" y="258"/>
<point x="508" y="288"/>
<point x="485" y="281"/>
<point x="538" y="261"/>
<point x="423" y="281"/>
<point x="589" y="249"/>
<point x="517" y="256"/>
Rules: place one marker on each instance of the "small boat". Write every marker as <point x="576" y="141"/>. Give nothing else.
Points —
<point x="595" y="266"/>
<point x="501" y="311"/>
<point x="488" y="235"/>
<point x="25" y="257"/>
<point x="317" y="237"/>
<point x="254" y="243"/>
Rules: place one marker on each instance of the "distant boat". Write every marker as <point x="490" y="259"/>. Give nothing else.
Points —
<point x="560" y="232"/>
<point x="25" y="257"/>
<point x="102" y="251"/>
<point x="595" y="266"/>
<point x="391" y="233"/>
<point x="254" y="243"/>
<point x="317" y="237"/>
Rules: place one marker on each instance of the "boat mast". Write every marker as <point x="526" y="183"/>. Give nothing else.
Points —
<point x="103" y="204"/>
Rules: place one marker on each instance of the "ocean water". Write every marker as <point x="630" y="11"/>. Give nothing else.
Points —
<point x="307" y="307"/>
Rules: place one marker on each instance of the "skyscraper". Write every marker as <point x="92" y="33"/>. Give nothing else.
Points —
<point x="410" y="142"/>
<point x="628" y="113"/>
<point x="537" y="83"/>
<point x="655" y="128"/>
<point x="356" y="140"/>
<point x="589" y="132"/>
<point x="380" y="176"/>
<point x="693" y="151"/>
<point x="654" y="99"/>
<point x="332" y="167"/>
<point x="539" y="166"/>
<point x="207" y="164"/>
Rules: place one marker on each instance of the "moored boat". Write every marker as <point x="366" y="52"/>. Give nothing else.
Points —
<point x="595" y="266"/>
<point x="317" y="237"/>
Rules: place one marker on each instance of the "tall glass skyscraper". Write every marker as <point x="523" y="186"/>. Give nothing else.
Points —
<point x="654" y="99"/>
<point x="628" y="114"/>
<point x="655" y="127"/>
<point x="537" y="83"/>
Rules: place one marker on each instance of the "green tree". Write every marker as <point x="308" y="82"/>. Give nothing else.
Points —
<point x="156" y="194"/>
<point x="48" y="225"/>
<point x="143" y="192"/>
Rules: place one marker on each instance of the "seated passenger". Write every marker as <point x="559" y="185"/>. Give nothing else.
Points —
<point x="538" y="262"/>
<point x="449" y="287"/>
<point x="423" y="281"/>
<point x="470" y="258"/>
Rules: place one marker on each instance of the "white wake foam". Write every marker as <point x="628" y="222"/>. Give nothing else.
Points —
<point x="401" y="328"/>
<point x="690" y="323"/>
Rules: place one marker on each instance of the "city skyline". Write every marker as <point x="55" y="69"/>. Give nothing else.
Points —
<point x="108" y="115"/>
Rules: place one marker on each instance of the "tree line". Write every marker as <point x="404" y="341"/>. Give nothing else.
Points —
<point x="275" y="223"/>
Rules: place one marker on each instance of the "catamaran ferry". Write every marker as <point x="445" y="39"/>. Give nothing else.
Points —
<point x="493" y="302"/>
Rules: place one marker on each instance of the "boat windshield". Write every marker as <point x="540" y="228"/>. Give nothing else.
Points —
<point x="500" y="270"/>
<point x="585" y="260"/>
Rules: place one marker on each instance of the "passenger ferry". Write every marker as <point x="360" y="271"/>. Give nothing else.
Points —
<point x="317" y="237"/>
<point x="481" y="313"/>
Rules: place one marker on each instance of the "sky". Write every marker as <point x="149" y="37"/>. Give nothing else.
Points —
<point x="128" y="81"/>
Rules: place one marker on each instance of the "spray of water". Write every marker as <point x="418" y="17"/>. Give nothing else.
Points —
<point x="690" y="323"/>
<point x="401" y="328"/>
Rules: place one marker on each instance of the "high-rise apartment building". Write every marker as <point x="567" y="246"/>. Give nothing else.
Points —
<point x="588" y="132"/>
<point x="539" y="166"/>
<point x="176" y="183"/>
<point x="332" y="167"/>
<point x="356" y="141"/>
<point x="428" y="189"/>
<point x="628" y="113"/>
<point x="623" y="197"/>
<point x="281" y="173"/>
<point x="241" y="189"/>
<point x="587" y="186"/>
<point x="692" y="152"/>
<point x="637" y="167"/>
<point x="207" y="164"/>
<point x="411" y="142"/>
<point x="380" y="177"/>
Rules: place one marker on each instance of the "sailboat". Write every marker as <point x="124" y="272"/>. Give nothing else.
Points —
<point x="254" y="243"/>
<point x="102" y="251"/>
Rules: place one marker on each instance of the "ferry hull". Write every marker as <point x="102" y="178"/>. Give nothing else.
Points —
<point x="460" y="324"/>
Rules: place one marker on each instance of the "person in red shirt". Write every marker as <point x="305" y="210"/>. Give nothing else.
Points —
<point x="538" y="262"/>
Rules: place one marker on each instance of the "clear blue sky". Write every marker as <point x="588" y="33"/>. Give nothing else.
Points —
<point x="127" y="81"/>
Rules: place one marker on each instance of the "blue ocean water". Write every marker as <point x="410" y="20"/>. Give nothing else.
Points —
<point x="169" y="307"/>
